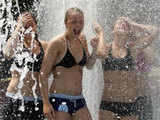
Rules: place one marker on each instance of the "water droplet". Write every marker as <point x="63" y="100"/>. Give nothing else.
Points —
<point x="36" y="108"/>
<point x="41" y="73"/>
<point x="63" y="103"/>
<point x="58" y="73"/>
<point x="21" y="108"/>
<point x="53" y="100"/>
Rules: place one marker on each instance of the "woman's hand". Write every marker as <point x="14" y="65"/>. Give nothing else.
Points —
<point x="48" y="111"/>
<point x="94" y="43"/>
<point x="25" y="20"/>
<point x="98" y="29"/>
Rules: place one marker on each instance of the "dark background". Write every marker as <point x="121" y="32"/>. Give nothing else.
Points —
<point x="24" y="5"/>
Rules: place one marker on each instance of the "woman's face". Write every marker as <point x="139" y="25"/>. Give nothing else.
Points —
<point x="29" y="24"/>
<point x="28" y="21"/>
<point x="75" y="24"/>
<point x="121" y="27"/>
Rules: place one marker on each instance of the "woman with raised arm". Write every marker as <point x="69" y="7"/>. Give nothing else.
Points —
<point x="121" y="99"/>
<point x="23" y="100"/>
<point x="66" y="55"/>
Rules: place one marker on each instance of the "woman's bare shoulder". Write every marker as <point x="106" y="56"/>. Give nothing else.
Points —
<point x="57" y="39"/>
<point x="56" y="43"/>
<point x="44" y="44"/>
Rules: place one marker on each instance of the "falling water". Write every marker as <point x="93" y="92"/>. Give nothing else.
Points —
<point x="23" y="72"/>
<point x="105" y="12"/>
<point x="8" y="22"/>
<point x="6" y="26"/>
<point x="145" y="12"/>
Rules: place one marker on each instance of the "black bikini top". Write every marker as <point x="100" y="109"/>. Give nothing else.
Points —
<point x="112" y="63"/>
<point x="69" y="61"/>
<point x="26" y="58"/>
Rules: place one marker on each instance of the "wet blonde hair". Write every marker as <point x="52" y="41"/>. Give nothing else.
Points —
<point x="124" y="20"/>
<point x="70" y="11"/>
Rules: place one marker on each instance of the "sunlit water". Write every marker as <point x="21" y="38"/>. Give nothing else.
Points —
<point x="51" y="23"/>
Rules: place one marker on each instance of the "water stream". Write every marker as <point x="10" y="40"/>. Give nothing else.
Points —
<point x="51" y="23"/>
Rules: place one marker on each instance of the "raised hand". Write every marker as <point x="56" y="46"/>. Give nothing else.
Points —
<point x="26" y="20"/>
<point x="97" y="28"/>
<point x="94" y="43"/>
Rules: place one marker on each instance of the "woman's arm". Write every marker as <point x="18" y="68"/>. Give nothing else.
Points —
<point x="91" y="59"/>
<point x="145" y="34"/>
<point x="24" y="22"/>
<point x="11" y="44"/>
<point x="102" y="46"/>
<point x="48" y="63"/>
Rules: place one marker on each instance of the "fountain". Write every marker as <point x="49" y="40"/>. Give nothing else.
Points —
<point x="105" y="12"/>
<point x="9" y="21"/>
<point x="146" y="12"/>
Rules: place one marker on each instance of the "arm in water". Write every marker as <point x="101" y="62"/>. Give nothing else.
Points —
<point x="145" y="34"/>
<point x="24" y="22"/>
<point x="11" y="44"/>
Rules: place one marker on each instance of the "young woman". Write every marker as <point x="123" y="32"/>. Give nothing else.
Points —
<point x="66" y="55"/>
<point x="22" y="100"/>
<point x="121" y="99"/>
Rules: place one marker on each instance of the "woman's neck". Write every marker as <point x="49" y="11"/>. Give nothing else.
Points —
<point x="69" y="36"/>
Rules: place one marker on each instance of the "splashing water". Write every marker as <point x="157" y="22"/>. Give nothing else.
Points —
<point x="8" y="22"/>
<point x="28" y="57"/>
<point x="106" y="12"/>
<point x="145" y="12"/>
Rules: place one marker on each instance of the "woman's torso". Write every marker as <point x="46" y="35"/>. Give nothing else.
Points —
<point x="28" y="83"/>
<point x="68" y="70"/>
<point x="33" y="65"/>
<point x="121" y="84"/>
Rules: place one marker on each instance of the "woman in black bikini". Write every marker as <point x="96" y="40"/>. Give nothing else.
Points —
<point x="120" y="100"/>
<point x="22" y="100"/>
<point x="66" y="55"/>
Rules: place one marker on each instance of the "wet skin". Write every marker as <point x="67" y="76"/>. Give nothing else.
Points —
<point x="25" y="20"/>
<point x="66" y="80"/>
<point x="121" y="85"/>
